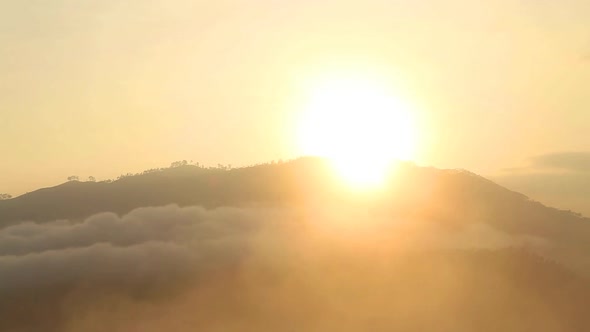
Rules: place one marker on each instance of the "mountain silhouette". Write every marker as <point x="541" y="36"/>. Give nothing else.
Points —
<point x="196" y="245"/>
<point x="414" y="191"/>
<point x="449" y="197"/>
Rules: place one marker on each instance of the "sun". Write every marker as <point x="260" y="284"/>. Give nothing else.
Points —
<point x="359" y="125"/>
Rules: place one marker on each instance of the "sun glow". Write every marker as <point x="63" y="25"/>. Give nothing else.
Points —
<point x="360" y="126"/>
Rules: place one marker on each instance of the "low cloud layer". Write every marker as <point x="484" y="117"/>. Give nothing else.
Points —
<point x="168" y="242"/>
<point x="247" y="269"/>
<point x="147" y="243"/>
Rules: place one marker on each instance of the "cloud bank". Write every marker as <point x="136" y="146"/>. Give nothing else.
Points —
<point x="149" y="242"/>
<point x="167" y="242"/>
<point x="247" y="269"/>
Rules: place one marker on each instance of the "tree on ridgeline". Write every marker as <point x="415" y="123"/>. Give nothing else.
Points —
<point x="5" y="197"/>
<point x="179" y="163"/>
<point x="122" y="176"/>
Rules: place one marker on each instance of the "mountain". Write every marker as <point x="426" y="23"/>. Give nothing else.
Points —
<point x="288" y="245"/>
<point x="412" y="191"/>
<point x="453" y="198"/>
<point x="183" y="185"/>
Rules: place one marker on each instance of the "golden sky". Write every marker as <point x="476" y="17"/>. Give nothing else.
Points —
<point x="104" y="87"/>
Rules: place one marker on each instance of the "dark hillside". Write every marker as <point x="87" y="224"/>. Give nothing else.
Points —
<point x="452" y="196"/>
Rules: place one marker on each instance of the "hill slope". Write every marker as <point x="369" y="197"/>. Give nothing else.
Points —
<point x="212" y="267"/>
<point x="417" y="191"/>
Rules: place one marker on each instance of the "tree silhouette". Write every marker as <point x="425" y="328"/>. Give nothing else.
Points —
<point x="5" y="197"/>
<point x="122" y="176"/>
<point x="179" y="163"/>
<point x="91" y="179"/>
<point x="73" y="178"/>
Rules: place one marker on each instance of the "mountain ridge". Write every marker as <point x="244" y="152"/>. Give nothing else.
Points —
<point x="294" y="181"/>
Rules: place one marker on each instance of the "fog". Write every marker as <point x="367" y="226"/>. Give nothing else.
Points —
<point x="276" y="269"/>
<point x="167" y="241"/>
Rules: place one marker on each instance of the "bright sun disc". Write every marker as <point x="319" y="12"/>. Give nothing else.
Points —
<point x="360" y="126"/>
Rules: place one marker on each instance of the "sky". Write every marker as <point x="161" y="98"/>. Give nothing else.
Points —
<point x="105" y="87"/>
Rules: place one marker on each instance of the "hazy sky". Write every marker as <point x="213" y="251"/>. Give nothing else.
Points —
<point x="104" y="87"/>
